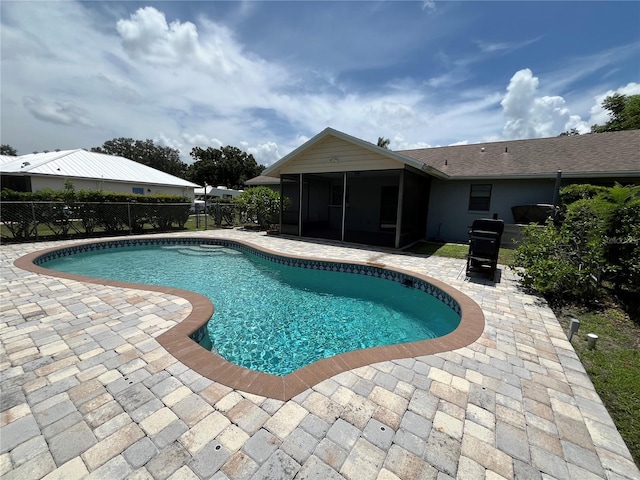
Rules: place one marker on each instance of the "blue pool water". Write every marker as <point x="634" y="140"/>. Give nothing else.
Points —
<point x="271" y="317"/>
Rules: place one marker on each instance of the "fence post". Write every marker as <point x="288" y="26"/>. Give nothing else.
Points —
<point x="129" y="214"/>
<point x="33" y="216"/>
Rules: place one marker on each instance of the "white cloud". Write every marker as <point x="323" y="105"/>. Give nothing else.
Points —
<point x="529" y="115"/>
<point x="265" y="154"/>
<point x="63" y="113"/>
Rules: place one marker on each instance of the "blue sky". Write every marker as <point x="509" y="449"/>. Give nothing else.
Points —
<point x="266" y="76"/>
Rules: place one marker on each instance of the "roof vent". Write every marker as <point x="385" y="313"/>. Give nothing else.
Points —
<point x="482" y="149"/>
<point x="506" y="149"/>
<point x="446" y="162"/>
<point x="25" y="164"/>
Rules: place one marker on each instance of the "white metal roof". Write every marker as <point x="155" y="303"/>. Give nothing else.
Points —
<point x="83" y="164"/>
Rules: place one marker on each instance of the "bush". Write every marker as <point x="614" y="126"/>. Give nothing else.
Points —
<point x="598" y="240"/>
<point x="260" y="205"/>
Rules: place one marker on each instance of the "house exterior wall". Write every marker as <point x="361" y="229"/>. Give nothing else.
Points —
<point x="449" y="216"/>
<point x="57" y="183"/>
<point x="350" y="158"/>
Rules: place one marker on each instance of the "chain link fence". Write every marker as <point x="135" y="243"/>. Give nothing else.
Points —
<point x="28" y="221"/>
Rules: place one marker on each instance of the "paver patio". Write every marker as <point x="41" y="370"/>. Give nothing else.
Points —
<point x="88" y="392"/>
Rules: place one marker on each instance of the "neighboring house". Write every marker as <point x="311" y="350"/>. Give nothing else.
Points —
<point x="88" y="171"/>
<point x="200" y="201"/>
<point x="264" y="181"/>
<point x="341" y="187"/>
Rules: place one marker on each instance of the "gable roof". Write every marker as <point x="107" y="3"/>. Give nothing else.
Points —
<point x="274" y="170"/>
<point x="83" y="164"/>
<point x="611" y="154"/>
<point x="596" y="155"/>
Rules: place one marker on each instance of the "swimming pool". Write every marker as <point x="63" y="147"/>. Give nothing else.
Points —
<point x="385" y="290"/>
<point x="272" y="317"/>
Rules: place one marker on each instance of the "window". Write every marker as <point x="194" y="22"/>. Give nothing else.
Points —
<point x="480" y="197"/>
<point x="138" y="190"/>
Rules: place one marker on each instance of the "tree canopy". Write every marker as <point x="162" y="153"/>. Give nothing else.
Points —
<point x="624" y="113"/>
<point x="228" y="166"/>
<point x="8" y="150"/>
<point x="165" y="159"/>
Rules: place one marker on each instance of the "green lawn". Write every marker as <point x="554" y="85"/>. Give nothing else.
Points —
<point x="613" y="366"/>
<point x="455" y="250"/>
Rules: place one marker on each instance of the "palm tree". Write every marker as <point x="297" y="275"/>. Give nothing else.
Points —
<point x="383" y="142"/>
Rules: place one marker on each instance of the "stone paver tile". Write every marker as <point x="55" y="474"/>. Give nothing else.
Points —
<point x="378" y="434"/>
<point x="549" y="464"/>
<point x="261" y="445"/>
<point x="343" y="434"/>
<point x="157" y="421"/>
<point x="239" y="466"/>
<point x="229" y="400"/>
<point x="248" y="416"/>
<point x="37" y="467"/>
<point x="27" y="450"/>
<point x="447" y="424"/>
<point x="442" y="452"/>
<point x="416" y="424"/>
<point x="184" y="473"/>
<point x="204" y="431"/>
<point x="115" y="469"/>
<point x="140" y="452"/>
<point x="286" y="420"/>
<point x="71" y="442"/>
<point x="15" y="433"/>
<point x="330" y="453"/>
<point x="233" y="438"/>
<point x="408" y="466"/>
<point x="74" y="469"/>
<point x="363" y="462"/>
<point x="111" y="446"/>
<point x="386" y="416"/>
<point x="170" y="433"/>
<point x="586" y="459"/>
<point x="209" y="459"/>
<point x="279" y="465"/>
<point x="315" y="469"/>
<point x="167" y="461"/>
<point x="468" y="468"/>
<point x="314" y="426"/>
<point x="299" y="445"/>
<point x="389" y="400"/>
<point x="192" y="409"/>
<point x="603" y="436"/>
<point x="487" y="456"/>
<point x="322" y="407"/>
<point x="513" y="441"/>
<point x="358" y="411"/>
<point x="481" y="416"/>
<point x="176" y="395"/>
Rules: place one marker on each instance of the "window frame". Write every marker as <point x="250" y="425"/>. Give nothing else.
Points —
<point x="482" y="197"/>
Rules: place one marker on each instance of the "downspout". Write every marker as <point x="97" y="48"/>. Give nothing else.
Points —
<point x="344" y="204"/>
<point x="399" y="210"/>
<point x="556" y="193"/>
<point x="300" y="207"/>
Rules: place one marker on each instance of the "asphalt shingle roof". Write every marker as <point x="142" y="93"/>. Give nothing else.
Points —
<point x="613" y="154"/>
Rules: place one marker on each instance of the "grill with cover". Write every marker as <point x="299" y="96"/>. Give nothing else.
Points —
<point x="485" y="236"/>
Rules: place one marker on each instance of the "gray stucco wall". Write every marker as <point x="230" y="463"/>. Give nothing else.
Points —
<point x="449" y="216"/>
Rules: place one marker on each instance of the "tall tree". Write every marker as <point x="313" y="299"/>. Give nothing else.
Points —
<point x="165" y="159"/>
<point x="624" y="113"/>
<point x="8" y="150"/>
<point x="228" y="166"/>
<point x="383" y="142"/>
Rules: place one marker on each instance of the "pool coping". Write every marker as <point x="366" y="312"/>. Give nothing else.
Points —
<point x="178" y="340"/>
